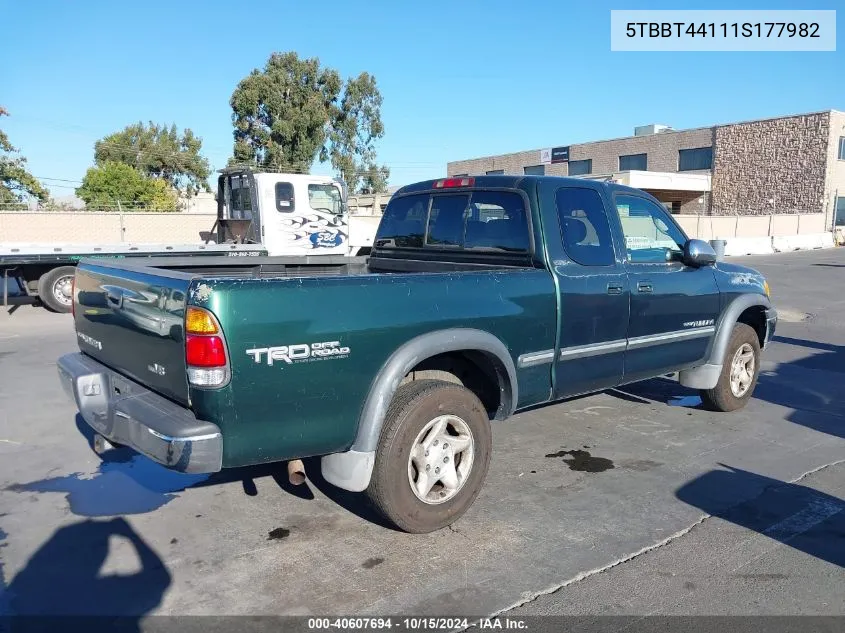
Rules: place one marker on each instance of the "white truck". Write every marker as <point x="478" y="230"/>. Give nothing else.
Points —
<point x="297" y="219"/>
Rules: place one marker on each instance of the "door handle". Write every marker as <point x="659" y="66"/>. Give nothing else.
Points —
<point x="614" y="289"/>
<point x="644" y="286"/>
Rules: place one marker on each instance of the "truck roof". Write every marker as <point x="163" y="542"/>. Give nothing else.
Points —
<point x="514" y="182"/>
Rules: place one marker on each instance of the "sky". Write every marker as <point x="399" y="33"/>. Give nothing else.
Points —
<point x="459" y="79"/>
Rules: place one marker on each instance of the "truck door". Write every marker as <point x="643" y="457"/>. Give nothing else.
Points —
<point x="304" y="218"/>
<point x="593" y="291"/>
<point x="674" y="307"/>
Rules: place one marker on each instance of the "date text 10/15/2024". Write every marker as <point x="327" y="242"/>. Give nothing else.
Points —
<point x="416" y="624"/>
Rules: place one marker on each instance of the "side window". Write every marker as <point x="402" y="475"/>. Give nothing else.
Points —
<point x="497" y="220"/>
<point x="325" y="198"/>
<point x="284" y="197"/>
<point x="446" y="220"/>
<point x="651" y="236"/>
<point x="584" y="227"/>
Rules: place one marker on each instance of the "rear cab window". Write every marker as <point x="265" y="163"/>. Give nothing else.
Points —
<point x="240" y="197"/>
<point x="495" y="221"/>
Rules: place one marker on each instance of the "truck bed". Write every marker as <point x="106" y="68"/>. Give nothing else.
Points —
<point x="256" y="266"/>
<point x="300" y="266"/>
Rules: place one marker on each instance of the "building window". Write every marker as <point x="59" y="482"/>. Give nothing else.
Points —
<point x="842" y="148"/>
<point x="580" y="167"/>
<point x="534" y="170"/>
<point x="840" y="210"/>
<point x="496" y="172"/>
<point x="631" y="162"/>
<point x="459" y="175"/>
<point x="699" y="158"/>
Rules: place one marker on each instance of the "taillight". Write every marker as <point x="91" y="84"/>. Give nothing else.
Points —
<point x="205" y="349"/>
<point x="448" y="183"/>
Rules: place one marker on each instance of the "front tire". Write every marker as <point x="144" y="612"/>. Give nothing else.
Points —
<point x="54" y="289"/>
<point x="432" y="457"/>
<point x="739" y="372"/>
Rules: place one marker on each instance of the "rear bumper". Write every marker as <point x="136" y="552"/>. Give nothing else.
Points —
<point x="127" y="413"/>
<point x="771" y="324"/>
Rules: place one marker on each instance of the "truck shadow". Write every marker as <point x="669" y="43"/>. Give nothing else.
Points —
<point x="809" y="385"/>
<point x="65" y="577"/>
<point x="805" y="519"/>
<point x="154" y="477"/>
<point x="128" y="483"/>
<point x="353" y="502"/>
<point x="664" y="390"/>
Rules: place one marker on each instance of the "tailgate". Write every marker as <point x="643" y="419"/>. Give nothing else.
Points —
<point x="131" y="319"/>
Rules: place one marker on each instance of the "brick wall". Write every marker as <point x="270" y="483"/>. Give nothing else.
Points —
<point x="772" y="166"/>
<point x="662" y="150"/>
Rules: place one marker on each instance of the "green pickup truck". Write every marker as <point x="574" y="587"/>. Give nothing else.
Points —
<point x="482" y="296"/>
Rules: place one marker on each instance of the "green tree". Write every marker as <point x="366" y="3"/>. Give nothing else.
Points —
<point x="296" y="111"/>
<point x="112" y="182"/>
<point x="158" y="151"/>
<point x="16" y="183"/>
<point x="355" y="126"/>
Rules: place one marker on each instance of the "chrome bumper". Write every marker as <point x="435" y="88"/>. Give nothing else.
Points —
<point x="124" y="412"/>
<point x="771" y="324"/>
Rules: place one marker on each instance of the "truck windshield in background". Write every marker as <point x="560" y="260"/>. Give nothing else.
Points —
<point x="325" y="198"/>
<point x="477" y="220"/>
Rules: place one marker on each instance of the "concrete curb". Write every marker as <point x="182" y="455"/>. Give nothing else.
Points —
<point x="738" y="246"/>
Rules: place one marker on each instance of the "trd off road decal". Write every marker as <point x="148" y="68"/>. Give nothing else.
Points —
<point x="299" y="352"/>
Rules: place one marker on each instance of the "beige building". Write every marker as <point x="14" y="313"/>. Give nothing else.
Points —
<point x="786" y="165"/>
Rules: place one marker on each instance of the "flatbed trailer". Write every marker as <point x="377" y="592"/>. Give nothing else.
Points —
<point x="46" y="270"/>
<point x="298" y="219"/>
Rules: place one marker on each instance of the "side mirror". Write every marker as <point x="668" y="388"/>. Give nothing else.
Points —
<point x="698" y="253"/>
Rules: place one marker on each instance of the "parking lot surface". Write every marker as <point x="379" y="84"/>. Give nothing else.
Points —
<point x="629" y="501"/>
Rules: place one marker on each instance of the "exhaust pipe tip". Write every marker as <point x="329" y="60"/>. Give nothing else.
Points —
<point x="296" y="472"/>
<point x="101" y="444"/>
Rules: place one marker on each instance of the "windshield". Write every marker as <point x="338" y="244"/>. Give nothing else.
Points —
<point x="325" y="198"/>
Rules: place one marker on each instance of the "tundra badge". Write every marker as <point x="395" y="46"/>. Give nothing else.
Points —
<point x="157" y="369"/>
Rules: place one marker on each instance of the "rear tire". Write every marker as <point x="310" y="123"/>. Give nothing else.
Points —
<point x="420" y="483"/>
<point x="740" y="371"/>
<point x="54" y="289"/>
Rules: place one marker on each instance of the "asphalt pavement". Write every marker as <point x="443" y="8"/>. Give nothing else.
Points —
<point x="628" y="502"/>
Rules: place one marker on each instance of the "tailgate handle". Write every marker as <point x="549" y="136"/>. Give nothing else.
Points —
<point x="114" y="298"/>
<point x="114" y="295"/>
<point x="644" y="286"/>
